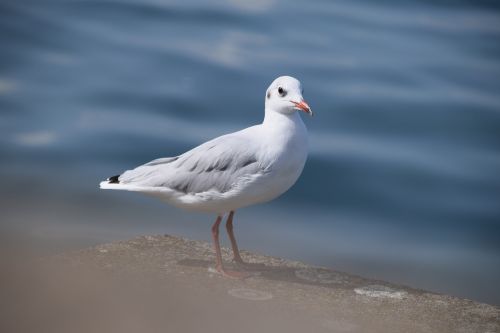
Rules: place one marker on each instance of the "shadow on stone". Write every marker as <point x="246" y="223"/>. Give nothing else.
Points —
<point x="307" y="275"/>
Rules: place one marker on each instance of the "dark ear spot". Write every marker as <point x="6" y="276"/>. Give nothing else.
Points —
<point x="268" y="94"/>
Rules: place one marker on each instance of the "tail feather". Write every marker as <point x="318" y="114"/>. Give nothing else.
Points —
<point x="113" y="179"/>
<point x="110" y="183"/>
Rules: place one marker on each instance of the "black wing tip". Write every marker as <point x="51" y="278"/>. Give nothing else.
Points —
<point x="113" y="180"/>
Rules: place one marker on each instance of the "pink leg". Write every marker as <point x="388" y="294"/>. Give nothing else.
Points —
<point x="236" y="252"/>
<point x="218" y="255"/>
<point x="215" y="239"/>
<point x="234" y="245"/>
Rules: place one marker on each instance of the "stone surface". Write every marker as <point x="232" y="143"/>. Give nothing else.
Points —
<point x="164" y="283"/>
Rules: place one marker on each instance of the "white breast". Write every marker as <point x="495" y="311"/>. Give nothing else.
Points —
<point x="287" y="148"/>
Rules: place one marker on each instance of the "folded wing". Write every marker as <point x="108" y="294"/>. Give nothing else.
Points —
<point x="218" y="165"/>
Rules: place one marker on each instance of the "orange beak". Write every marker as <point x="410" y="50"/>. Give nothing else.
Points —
<point x="302" y="105"/>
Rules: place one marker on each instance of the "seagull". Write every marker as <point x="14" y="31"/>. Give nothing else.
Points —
<point x="254" y="165"/>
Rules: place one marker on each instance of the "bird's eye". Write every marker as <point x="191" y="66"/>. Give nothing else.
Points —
<point x="282" y="92"/>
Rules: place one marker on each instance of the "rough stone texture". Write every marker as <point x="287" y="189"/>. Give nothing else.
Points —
<point x="165" y="283"/>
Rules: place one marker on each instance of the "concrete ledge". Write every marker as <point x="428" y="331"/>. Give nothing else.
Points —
<point x="166" y="283"/>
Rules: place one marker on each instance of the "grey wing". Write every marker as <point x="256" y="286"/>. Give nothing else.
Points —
<point x="215" y="165"/>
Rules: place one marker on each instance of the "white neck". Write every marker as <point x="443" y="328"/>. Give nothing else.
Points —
<point x="288" y="134"/>
<point x="273" y="118"/>
<point x="285" y="128"/>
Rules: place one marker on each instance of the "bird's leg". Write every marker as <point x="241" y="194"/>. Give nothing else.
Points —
<point x="215" y="238"/>
<point x="236" y="252"/>
<point x="234" y="245"/>
<point x="218" y="255"/>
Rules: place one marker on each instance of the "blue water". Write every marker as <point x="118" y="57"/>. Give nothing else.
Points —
<point x="402" y="182"/>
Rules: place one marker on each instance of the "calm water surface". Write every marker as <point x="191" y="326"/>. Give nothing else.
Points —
<point x="402" y="182"/>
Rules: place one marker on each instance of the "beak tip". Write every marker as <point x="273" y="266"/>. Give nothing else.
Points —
<point x="302" y="105"/>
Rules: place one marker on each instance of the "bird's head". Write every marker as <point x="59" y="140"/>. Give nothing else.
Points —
<point x="284" y="95"/>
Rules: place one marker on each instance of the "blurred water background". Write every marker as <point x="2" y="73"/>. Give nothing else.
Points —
<point x="402" y="182"/>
